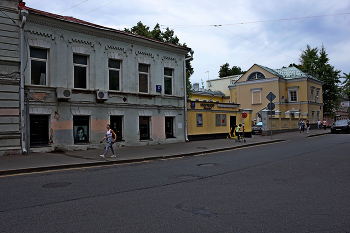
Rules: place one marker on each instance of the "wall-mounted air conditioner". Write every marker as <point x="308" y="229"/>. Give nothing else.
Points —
<point x="63" y="93"/>
<point x="102" y="95"/>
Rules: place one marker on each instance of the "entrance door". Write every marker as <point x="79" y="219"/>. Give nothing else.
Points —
<point x="117" y="126"/>
<point x="169" y="128"/>
<point x="144" y="128"/>
<point x="39" y="130"/>
<point x="233" y="122"/>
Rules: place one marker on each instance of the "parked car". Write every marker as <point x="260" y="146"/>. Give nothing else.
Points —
<point x="256" y="129"/>
<point x="341" y="126"/>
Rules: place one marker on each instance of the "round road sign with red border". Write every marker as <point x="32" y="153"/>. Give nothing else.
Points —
<point x="244" y="115"/>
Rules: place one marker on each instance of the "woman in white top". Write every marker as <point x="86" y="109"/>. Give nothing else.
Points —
<point x="110" y="140"/>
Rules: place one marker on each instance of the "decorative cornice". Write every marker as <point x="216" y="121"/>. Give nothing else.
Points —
<point x="124" y="50"/>
<point x="41" y="34"/>
<point x="81" y="41"/>
<point x="144" y="53"/>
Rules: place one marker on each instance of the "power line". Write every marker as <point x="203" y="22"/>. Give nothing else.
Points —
<point x="99" y="7"/>
<point x="285" y="33"/>
<point x="72" y="7"/>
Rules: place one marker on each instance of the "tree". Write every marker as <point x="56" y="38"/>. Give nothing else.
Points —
<point x="316" y="63"/>
<point x="225" y="70"/>
<point x="166" y="36"/>
<point x="346" y="84"/>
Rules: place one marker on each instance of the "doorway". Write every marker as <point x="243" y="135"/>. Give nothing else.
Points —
<point x="117" y="126"/>
<point x="169" y="127"/>
<point x="233" y="122"/>
<point x="39" y="130"/>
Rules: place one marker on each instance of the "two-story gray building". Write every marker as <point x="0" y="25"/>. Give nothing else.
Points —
<point x="79" y="76"/>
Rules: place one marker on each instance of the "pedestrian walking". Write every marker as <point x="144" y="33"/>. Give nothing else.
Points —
<point x="307" y="126"/>
<point x="302" y="125"/>
<point x="319" y="124"/>
<point x="324" y="124"/>
<point x="110" y="140"/>
<point x="299" y="125"/>
<point x="238" y="129"/>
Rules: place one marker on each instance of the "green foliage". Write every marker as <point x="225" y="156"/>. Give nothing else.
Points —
<point x="315" y="62"/>
<point x="225" y="70"/>
<point x="346" y="84"/>
<point x="166" y="36"/>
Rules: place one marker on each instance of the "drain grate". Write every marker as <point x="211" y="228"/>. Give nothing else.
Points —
<point x="57" y="185"/>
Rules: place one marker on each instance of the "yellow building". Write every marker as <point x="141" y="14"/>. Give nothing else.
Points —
<point x="298" y="95"/>
<point x="212" y="115"/>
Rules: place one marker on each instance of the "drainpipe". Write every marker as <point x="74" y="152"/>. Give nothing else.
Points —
<point x="185" y="91"/>
<point x="24" y="14"/>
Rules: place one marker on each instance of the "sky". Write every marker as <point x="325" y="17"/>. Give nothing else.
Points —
<point x="271" y="33"/>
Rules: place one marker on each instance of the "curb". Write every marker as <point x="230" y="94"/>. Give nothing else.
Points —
<point x="93" y="164"/>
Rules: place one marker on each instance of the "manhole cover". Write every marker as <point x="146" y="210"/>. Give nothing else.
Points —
<point x="206" y="164"/>
<point x="57" y="185"/>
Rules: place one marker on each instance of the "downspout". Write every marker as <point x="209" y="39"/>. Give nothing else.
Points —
<point x="24" y="14"/>
<point x="185" y="91"/>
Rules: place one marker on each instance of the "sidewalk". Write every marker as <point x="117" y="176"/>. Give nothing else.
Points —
<point x="36" y="162"/>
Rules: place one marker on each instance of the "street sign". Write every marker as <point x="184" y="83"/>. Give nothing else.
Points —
<point x="271" y="106"/>
<point x="244" y="115"/>
<point x="271" y="96"/>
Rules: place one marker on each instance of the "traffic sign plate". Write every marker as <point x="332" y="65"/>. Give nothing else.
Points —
<point x="244" y="115"/>
<point x="271" y="106"/>
<point x="271" y="96"/>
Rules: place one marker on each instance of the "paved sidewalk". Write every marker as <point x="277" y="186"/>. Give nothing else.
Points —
<point x="14" y="164"/>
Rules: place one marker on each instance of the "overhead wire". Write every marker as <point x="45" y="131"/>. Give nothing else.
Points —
<point x="73" y="6"/>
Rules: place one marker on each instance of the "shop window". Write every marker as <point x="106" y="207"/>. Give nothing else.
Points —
<point x="38" y="66"/>
<point x="114" y="74"/>
<point x="143" y="78"/>
<point x="80" y="63"/>
<point x="39" y="130"/>
<point x="81" y="129"/>
<point x="168" y="81"/>
<point x="220" y="119"/>
<point x="117" y="126"/>
<point x="144" y="127"/>
<point x="199" y="119"/>
<point x="169" y="127"/>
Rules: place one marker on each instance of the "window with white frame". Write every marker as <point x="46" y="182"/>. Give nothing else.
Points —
<point x="317" y="95"/>
<point x="168" y="81"/>
<point x="293" y="94"/>
<point x="114" y="74"/>
<point x="80" y="63"/>
<point x="312" y="94"/>
<point x="38" y="66"/>
<point x="143" y="78"/>
<point x="256" y="95"/>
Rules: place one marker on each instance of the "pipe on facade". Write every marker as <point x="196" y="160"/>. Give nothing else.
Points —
<point x="185" y="91"/>
<point x="24" y="14"/>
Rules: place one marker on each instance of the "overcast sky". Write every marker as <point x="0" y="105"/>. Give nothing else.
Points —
<point x="251" y="31"/>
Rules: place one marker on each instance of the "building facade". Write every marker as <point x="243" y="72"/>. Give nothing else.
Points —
<point x="79" y="76"/>
<point x="297" y="94"/>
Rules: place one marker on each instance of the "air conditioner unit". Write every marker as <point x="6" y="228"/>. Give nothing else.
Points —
<point x="102" y="95"/>
<point x="63" y="93"/>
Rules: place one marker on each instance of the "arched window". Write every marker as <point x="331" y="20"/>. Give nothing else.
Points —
<point x="255" y="75"/>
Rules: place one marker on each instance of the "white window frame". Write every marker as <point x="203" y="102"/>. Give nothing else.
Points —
<point x="115" y="69"/>
<point x="41" y="60"/>
<point x="253" y="91"/>
<point x="290" y="90"/>
<point x="172" y="80"/>
<point x="312" y="90"/>
<point x="82" y="65"/>
<point x="318" y="95"/>
<point x="144" y="73"/>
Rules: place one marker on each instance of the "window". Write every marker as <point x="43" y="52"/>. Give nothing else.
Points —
<point x="220" y="119"/>
<point x="199" y="118"/>
<point x="255" y="75"/>
<point x="114" y="74"/>
<point x="256" y="95"/>
<point x="143" y="78"/>
<point x="312" y="94"/>
<point x="144" y="128"/>
<point x="168" y="83"/>
<point x="293" y="94"/>
<point x="80" y="63"/>
<point x="318" y="95"/>
<point x="169" y="127"/>
<point x="81" y="129"/>
<point x="38" y="64"/>
<point x="117" y="126"/>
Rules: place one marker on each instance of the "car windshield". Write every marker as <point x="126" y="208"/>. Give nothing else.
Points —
<point x="341" y="122"/>
<point x="258" y="124"/>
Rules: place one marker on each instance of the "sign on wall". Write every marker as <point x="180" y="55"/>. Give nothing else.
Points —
<point x="199" y="118"/>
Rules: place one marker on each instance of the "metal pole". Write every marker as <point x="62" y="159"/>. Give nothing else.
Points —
<point x="28" y="125"/>
<point x="271" y="119"/>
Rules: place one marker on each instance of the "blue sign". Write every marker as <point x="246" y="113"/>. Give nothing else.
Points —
<point x="193" y="104"/>
<point x="158" y="88"/>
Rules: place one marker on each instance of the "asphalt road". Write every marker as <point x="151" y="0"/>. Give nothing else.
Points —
<point x="294" y="186"/>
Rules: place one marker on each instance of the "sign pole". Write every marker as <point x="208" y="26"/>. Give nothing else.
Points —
<point x="271" y="119"/>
